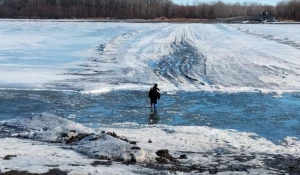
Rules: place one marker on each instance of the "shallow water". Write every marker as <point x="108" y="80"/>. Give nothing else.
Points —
<point x="269" y="116"/>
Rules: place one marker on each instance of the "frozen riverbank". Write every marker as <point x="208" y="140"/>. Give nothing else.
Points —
<point x="192" y="149"/>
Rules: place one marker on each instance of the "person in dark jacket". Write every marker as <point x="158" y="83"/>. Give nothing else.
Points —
<point x="154" y="94"/>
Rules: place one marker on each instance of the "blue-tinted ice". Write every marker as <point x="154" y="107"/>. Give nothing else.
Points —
<point x="272" y="117"/>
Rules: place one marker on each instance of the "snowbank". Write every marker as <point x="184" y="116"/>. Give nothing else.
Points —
<point x="207" y="149"/>
<point x="50" y="128"/>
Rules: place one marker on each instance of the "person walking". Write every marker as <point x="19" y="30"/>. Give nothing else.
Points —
<point x="154" y="95"/>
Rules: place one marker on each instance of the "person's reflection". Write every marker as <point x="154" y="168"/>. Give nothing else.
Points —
<point x="154" y="117"/>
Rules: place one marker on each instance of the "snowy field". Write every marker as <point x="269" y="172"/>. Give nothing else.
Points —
<point x="74" y="98"/>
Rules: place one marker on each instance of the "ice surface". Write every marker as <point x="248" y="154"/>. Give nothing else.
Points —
<point x="104" y="71"/>
<point x="98" y="57"/>
<point x="276" y="31"/>
<point x="269" y="115"/>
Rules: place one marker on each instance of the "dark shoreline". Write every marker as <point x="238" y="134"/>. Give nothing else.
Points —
<point x="116" y="20"/>
<point x="173" y="21"/>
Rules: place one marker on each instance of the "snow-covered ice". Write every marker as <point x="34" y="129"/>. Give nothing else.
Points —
<point x="97" y="57"/>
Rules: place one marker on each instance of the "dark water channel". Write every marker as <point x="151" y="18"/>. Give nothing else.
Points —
<point x="272" y="117"/>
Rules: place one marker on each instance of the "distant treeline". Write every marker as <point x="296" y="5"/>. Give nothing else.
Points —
<point x="140" y="9"/>
<point x="288" y="10"/>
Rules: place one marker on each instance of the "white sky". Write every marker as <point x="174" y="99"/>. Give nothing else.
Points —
<point x="271" y="2"/>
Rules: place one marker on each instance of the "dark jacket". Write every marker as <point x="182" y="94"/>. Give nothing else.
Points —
<point x="154" y="93"/>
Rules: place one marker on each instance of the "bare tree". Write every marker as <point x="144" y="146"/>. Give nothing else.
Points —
<point x="288" y="10"/>
<point x="146" y="9"/>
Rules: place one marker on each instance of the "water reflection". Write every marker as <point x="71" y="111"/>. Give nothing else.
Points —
<point x="154" y="116"/>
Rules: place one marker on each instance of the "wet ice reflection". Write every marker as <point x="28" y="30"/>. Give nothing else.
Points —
<point x="267" y="115"/>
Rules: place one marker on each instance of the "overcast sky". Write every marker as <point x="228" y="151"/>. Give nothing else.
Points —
<point x="270" y="2"/>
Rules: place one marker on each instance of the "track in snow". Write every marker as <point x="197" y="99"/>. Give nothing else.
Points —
<point x="185" y="65"/>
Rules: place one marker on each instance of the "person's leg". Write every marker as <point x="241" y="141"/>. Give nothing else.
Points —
<point x="154" y="102"/>
<point x="151" y="102"/>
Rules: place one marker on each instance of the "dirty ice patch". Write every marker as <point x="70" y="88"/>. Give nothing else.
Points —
<point x="50" y="128"/>
<point x="216" y="151"/>
<point x="207" y="139"/>
<point x="45" y="127"/>
<point x="106" y="147"/>
<point x="36" y="157"/>
<point x="194" y="149"/>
